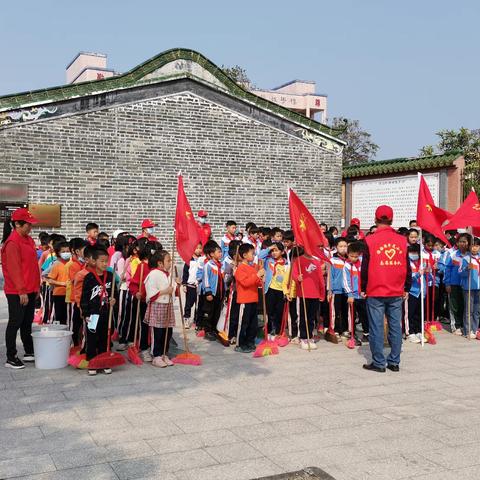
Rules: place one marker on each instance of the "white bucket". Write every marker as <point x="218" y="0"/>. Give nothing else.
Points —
<point x="55" y="326"/>
<point x="51" y="348"/>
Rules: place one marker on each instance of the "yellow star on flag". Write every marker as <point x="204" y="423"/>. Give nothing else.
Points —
<point x="428" y="207"/>
<point x="303" y="222"/>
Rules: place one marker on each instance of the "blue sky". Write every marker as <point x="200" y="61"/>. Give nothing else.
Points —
<point x="404" y="69"/>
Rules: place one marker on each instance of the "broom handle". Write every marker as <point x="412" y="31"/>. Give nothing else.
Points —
<point x="172" y="270"/>
<point x="264" y="303"/>
<point x="180" y="303"/>
<point x="469" y="307"/>
<point x="135" y="336"/>
<point x="303" y="299"/>
<point x="110" y="313"/>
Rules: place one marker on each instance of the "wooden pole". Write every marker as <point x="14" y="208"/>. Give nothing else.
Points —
<point x="304" y="301"/>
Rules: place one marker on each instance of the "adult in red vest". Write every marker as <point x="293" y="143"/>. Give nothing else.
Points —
<point x="148" y="227"/>
<point x="386" y="279"/>
<point x="22" y="284"/>
<point x="204" y="229"/>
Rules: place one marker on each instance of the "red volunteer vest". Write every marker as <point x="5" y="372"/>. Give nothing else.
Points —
<point x="387" y="268"/>
<point x="27" y="264"/>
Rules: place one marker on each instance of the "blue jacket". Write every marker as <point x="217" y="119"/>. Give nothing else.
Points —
<point x="351" y="279"/>
<point x="212" y="275"/>
<point x="336" y="275"/>
<point x="429" y="260"/>
<point x="452" y="268"/>
<point x="415" y="289"/>
<point x="224" y="245"/>
<point x="474" y="274"/>
<point x="269" y="266"/>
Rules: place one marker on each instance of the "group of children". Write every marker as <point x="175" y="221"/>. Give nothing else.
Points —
<point x="234" y="286"/>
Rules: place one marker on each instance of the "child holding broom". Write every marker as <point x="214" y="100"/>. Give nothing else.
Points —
<point x="95" y="302"/>
<point x="307" y="273"/>
<point x="248" y="280"/>
<point x="336" y="287"/>
<point x="160" y="316"/>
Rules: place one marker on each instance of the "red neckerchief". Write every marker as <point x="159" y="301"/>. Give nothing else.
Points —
<point x="279" y="261"/>
<point x="75" y="260"/>
<point x="103" y="291"/>
<point x="352" y="273"/>
<point x="230" y="236"/>
<point x="477" y="260"/>
<point x="220" y="276"/>
<point x="416" y="263"/>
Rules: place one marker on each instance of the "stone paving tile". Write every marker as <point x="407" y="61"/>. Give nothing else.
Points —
<point x="456" y="457"/>
<point x="26" y="466"/>
<point x="243" y="470"/>
<point x="192" y="441"/>
<point x="94" y="472"/>
<point x="92" y="456"/>
<point x="169" y="462"/>
<point x="275" y="429"/>
<point x="234" y="452"/>
<point x="204" y="424"/>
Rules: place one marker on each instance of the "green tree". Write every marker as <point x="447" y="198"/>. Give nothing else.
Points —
<point x="360" y="148"/>
<point x="468" y="142"/>
<point x="238" y="74"/>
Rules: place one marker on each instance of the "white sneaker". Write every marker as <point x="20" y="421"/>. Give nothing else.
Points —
<point x="472" y="336"/>
<point x="304" y="345"/>
<point x="92" y="373"/>
<point x="29" y="357"/>
<point x="414" y="338"/>
<point x="313" y="345"/>
<point x="158" y="362"/>
<point x="121" y="347"/>
<point x="146" y="356"/>
<point x="107" y="371"/>
<point x="346" y="334"/>
<point x="187" y="323"/>
<point x="295" y="341"/>
<point x="458" y="331"/>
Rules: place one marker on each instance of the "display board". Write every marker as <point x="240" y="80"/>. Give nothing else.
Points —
<point x="400" y="192"/>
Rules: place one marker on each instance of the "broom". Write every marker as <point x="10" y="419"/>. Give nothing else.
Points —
<point x="133" y="352"/>
<point x="330" y="333"/>
<point x="223" y="331"/>
<point x="282" y="339"/>
<point x="187" y="357"/>
<point x="351" y="340"/>
<point x="108" y="359"/>
<point x="265" y="347"/>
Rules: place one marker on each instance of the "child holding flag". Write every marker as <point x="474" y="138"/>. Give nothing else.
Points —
<point x="470" y="281"/>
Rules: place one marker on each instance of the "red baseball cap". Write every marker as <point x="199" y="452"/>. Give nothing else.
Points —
<point x="147" y="223"/>
<point x="202" y="213"/>
<point x="384" y="211"/>
<point x="22" y="214"/>
<point x="355" y="221"/>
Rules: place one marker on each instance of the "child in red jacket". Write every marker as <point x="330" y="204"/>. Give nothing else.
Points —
<point x="308" y="275"/>
<point x="248" y="280"/>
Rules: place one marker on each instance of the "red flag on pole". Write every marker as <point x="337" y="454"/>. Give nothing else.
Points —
<point x="186" y="229"/>
<point x="307" y="232"/>
<point x="429" y="216"/>
<point x="467" y="215"/>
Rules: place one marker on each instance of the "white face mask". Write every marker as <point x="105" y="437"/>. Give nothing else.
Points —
<point x="66" y="255"/>
<point x="414" y="258"/>
<point x="81" y="259"/>
<point x="150" y="230"/>
<point x="202" y="220"/>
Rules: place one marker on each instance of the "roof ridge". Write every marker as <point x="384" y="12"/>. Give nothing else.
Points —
<point x="131" y="78"/>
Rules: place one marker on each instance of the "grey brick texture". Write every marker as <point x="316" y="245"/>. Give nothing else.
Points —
<point x="118" y="165"/>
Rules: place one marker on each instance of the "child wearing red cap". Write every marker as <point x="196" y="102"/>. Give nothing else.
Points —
<point x="204" y="228"/>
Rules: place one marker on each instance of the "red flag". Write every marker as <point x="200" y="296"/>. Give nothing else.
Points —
<point x="186" y="229"/>
<point x="429" y="216"/>
<point x="307" y="232"/>
<point x="467" y="215"/>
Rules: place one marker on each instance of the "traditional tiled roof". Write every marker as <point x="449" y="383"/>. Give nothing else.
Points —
<point x="134" y="78"/>
<point x="398" y="165"/>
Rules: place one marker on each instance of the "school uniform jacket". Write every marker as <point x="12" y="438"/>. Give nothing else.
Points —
<point x="474" y="274"/>
<point x="336" y="275"/>
<point x="95" y="297"/>
<point x="452" y="268"/>
<point x="272" y="268"/>
<point x="212" y="279"/>
<point x="351" y="279"/>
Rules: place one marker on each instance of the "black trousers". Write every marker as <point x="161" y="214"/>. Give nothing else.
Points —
<point x="20" y="317"/>
<point x="414" y="314"/>
<point x="159" y="346"/>
<point x="360" y="307"/>
<point x="341" y="312"/>
<point x="60" y="309"/>
<point x="248" y="330"/>
<point x="190" y="300"/>
<point x="126" y="329"/>
<point x="77" y="323"/>
<point x="234" y="316"/>
<point x="211" y="313"/>
<point x="96" y="342"/>
<point x="292" y="309"/>
<point x="46" y="293"/>
<point x="275" y="303"/>
<point x="312" y="306"/>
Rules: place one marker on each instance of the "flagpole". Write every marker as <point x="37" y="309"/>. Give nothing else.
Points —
<point x="422" y="289"/>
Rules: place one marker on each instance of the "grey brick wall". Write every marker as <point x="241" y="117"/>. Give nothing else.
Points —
<point x="118" y="165"/>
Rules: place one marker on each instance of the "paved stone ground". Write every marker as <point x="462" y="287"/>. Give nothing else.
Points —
<point x="237" y="417"/>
